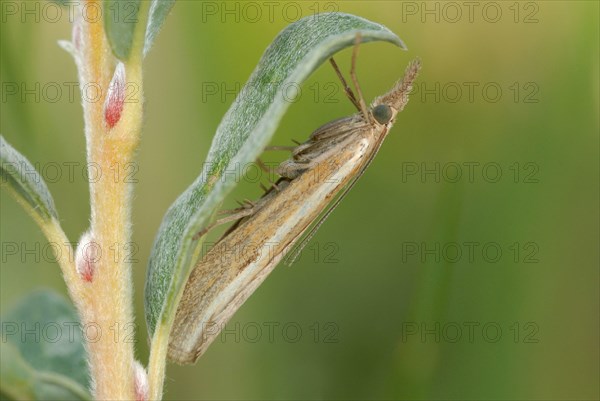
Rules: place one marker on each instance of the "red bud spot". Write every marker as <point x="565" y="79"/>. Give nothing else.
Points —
<point x="140" y="382"/>
<point x="88" y="274"/>
<point x="113" y="107"/>
<point x="87" y="257"/>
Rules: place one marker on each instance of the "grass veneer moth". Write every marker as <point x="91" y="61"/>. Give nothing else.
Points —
<point x="321" y="170"/>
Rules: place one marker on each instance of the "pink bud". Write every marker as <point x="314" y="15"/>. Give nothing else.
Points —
<point x="87" y="257"/>
<point x="140" y="382"/>
<point x="113" y="107"/>
<point x="76" y="33"/>
<point x="74" y="47"/>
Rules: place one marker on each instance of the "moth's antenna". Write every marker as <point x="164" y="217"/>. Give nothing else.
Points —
<point x="347" y="89"/>
<point x="361" y="99"/>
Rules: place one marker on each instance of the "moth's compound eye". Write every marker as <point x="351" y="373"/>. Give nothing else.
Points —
<point x="382" y="113"/>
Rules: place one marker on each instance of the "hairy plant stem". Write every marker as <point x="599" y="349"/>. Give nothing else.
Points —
<point x="159" y="347"/>
<point x="109" y="299"/>
<point x="105" y="301"/>
<point x="158" y="361"/>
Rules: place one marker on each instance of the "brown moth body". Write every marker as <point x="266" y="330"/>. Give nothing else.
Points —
<point x="325" y="166"/>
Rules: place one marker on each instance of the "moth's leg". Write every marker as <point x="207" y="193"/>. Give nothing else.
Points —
<point x="267" y="170"/>
<point x="361" y="99"/>
<point x="267" y="190"/>
<point x="262" y="166"/>
<point x="249" y="203"/>
<point x="236" y="215"/>
<point x="291" y="169"/>
<point x="347" y="89"/>
<point x="232" y="211"/>
<point x="284" y="148"/>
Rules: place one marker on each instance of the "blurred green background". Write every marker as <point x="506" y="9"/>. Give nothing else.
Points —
<point x="385" y="306"/>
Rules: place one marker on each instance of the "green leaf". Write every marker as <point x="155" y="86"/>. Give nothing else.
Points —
<point x="43" y="357"/>
<point x="159" y="9"/>
<point x="120" y="20"/>
<point x="24" y="182"/>
<point x="16" y="376"/>
<point x="241" y="137"/>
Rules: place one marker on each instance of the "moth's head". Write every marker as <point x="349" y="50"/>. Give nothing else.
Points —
<point x="383" y="114"/>
<point x="385" y="108"/>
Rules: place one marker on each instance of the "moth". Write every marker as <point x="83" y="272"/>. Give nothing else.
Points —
<point x="318" y="173"/>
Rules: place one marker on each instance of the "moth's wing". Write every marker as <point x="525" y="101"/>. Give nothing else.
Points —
<point x="332" y="128"/>
<point x="267" y="196"/>
<point x="322" y="144"/>
<point x="338" y="198"/>
<point x="317" y="150"/>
